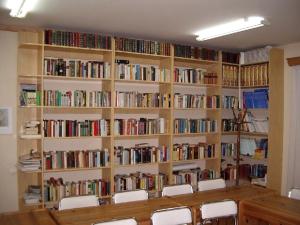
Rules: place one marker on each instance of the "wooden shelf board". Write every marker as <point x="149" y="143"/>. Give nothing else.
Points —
<point x="76" y="49"/>
<point x="140" y="55"/>
<point x="230" y="87"/>
<point x="230" y="64"/>
<point x="202" y="109"/>
<point x="254" y="86"/>
<point x="74" y="107"/>
<point x="142" y="81"/>
<point x="197" y="85"/>
<point x="31" y="45"/>
<point x="93" y="137"/>
<point x="73" y="169"/>
<point x="196" y="134"/>
<point x="193" y="160"/>
<point x="246" y="133"/>
<point x="141" y="136"/>
<point x="52" y="77"/>
<point x="200" y="61"/>
<point x="29" y="76"/>
<point x="254" y="63"/>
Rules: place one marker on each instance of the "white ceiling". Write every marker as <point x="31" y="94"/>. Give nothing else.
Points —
<point x="171" y="20"/>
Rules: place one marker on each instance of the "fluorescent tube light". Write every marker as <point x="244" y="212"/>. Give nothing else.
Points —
<point x="230" y="28"/>
<point x="19" y="8"/>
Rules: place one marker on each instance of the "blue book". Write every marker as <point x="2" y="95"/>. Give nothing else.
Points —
<point x="248" y="99"/>
<point x="260" y="98"/>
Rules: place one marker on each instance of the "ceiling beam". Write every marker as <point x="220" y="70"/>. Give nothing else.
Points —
<point x="294" y="61"/>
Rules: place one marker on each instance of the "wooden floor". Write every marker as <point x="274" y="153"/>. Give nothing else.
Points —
<point x="257" y="206"/>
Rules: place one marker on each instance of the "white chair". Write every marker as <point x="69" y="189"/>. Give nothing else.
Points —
<point x="172" y="216"/>
<point x="177" y="190"/>
<point x="216" y="210"/>
<point x="130" y="196"/>
<point x="294" y="193"/>
<point x="205" y="185"/>
<point x="78" y="202"/>
<point x="129" y="221"/>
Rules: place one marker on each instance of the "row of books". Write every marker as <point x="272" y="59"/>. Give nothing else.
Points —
<point x="246" y="171"/>
<point x="194" y="76"/>
<point x="255" y="75"/>
<point x="230" y="57"/>
<point x="138" y="180"/>
<point x="141" y="154"/>
<point x="195" y="52"/>
<point x="76" y="68"/>
<point x="193" y="151"/>
<point x="142" y="46"/>
<point x="77" y="39"/>
<point x="228" y="149"/>
<point x="185" y="126"/>
<point x="196" y="101"/>
<point x="76" y="159"/>
<point x="76" y="128"/>
<point x="230" y="102"/>
<point x="192" y="176"/>
<point x="126" y="71"/>
<point x="230" y="75"/>
<point x="255" y="124"/>
<point x="257" y="99"/>
<point x="56" y="189"/>
<point x="229" y="125"/>
<point x="77" y="98"/>
<point x="142" y="126"/>
<point x="29" y="95"/>
<point x="136" y="99"/>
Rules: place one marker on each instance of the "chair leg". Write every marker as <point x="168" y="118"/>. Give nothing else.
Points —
<point x="235" y="220"/>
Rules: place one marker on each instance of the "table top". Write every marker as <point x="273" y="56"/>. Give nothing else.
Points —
<point x="234" y="193"/>
<point x="140" y="210"/>
<point x="36" y="217"/>
<point x="276" y="206"/>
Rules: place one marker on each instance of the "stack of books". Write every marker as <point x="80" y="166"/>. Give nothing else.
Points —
<point x="31" y="129"/>
<point x="30" y="162"/>
<point x="33" y="196"/>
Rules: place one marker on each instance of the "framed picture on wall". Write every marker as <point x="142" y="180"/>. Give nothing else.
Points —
<point x="5" y="120"/>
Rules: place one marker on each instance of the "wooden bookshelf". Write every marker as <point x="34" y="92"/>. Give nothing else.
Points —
<point x="274" y="113"/>
<point x="33" y="51"/>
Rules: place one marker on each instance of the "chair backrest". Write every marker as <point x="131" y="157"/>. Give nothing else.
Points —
<point x="205" y="185"/>
<point x="172" y="216"/>
<point x="129" y="221"/>
<point x="78" y="202"/>
<point x="294" y="193"/>
<point x="130" y="196"/>
<point x="218" y="209"/>
<point x="177" y="190"/>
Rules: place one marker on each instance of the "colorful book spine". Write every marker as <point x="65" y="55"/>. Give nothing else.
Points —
<point x="77" y="39"/>
<point x="186" y="126"/>
<point x="142" y="126"/>
<point x="139" y="155"/>
<point x="194" y="76"/>
<point x="56" y="189"/>
<point x="192" y="176"/>
<point x="76" y="68"/>
<point x="195" y="52"/>
<point x="142" y="46"/>
<point x="77" y="98"/>
<point x="230" y="102"/>
<point x="185" y="101"/>
<point x="136" y="99"/>
<point x="138" y="72"/>
<point x="146" y="181"/>
<point x="255" y="75"/>
<point x="228" y="125"/>
<point x="76" y="159"/>
<point x="76" y="128"/>
<point x="228" y="149"/>
<point x="193" y="151"/>
<point x="230" y="75"/>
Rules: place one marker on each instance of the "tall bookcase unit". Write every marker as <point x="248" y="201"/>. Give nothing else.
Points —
<point x="176" y="121"/>
<point x="239" y="81"/>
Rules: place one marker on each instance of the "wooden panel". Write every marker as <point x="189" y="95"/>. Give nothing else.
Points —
<point x="295" y="61"/>
<point x="276" y="103"/>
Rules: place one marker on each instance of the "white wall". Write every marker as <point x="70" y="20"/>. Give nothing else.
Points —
<point x="8" y="143"/>
<point x="290" y="170"/>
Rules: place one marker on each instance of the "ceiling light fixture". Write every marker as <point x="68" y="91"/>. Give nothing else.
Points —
<point x="231" y="27"/>
<point x="19" y="8"/>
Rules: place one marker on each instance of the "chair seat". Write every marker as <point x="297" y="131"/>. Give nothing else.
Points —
<point x="218" y="209"/>
<point x="205" y="185"/>
<point x="129" y="221"/>
<point x="172" y="216"/>
<point x="78" y="202"/>
<point x="130" y="196"/>
<point x="294" y="193"/>
<point x="177" y="190"/>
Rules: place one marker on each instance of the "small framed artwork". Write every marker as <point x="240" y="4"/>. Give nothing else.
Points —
<point x="5" y="120"/>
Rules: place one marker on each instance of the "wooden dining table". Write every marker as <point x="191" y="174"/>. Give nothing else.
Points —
<point x="140" y="210"/>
